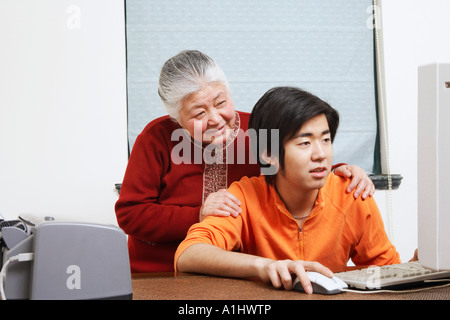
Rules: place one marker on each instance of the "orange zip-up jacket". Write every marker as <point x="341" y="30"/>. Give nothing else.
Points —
<point x="338" y="228"/>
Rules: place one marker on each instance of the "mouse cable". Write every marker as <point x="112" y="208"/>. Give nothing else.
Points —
<point x="21" y="257"/>
<point x="403" y="291"/>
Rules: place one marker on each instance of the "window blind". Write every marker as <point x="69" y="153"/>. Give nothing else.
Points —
<point x="325" y="47"/>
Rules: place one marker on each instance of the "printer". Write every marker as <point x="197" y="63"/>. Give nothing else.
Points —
<point x="64" y="261"/>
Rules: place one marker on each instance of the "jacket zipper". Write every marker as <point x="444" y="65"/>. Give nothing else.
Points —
<point x="300" y="238"/>
<point x="300" y="235"/>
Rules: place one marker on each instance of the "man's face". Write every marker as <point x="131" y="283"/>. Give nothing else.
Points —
<point x="308" y="157"/>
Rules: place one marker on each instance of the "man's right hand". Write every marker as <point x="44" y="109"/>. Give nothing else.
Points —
<point x="280" y="272"/>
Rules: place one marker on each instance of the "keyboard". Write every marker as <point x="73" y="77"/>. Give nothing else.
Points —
<point x="393" y="276"/>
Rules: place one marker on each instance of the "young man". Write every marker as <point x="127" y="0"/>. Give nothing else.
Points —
<point x="300" y="219"/>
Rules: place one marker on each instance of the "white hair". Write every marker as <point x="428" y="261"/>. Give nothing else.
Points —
<point x="187" y="72"/>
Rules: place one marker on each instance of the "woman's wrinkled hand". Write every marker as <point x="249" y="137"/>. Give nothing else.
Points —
<point x="221" y="203"/>
<point x="360" y="180"/>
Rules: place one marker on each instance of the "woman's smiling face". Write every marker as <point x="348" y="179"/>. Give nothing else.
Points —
<point x="208" y="113"/>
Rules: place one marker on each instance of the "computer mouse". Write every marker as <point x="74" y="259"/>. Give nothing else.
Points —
<point x="321" y="284"/>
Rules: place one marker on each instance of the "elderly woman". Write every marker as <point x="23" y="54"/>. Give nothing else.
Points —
<point x="182" y="164"/>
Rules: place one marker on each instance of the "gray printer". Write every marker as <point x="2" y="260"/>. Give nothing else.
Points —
<point x="65" y="261"/>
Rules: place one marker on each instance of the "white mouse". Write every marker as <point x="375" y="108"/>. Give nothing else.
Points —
<point x="321" y="284"/>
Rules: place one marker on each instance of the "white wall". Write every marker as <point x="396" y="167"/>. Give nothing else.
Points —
<point x="415" y="33"/>
<point x="62" y="108"/>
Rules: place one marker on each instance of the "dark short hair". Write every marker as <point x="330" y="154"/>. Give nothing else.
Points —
<point x="287" y="109"/>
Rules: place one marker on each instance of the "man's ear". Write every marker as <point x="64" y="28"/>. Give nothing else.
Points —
<point x="272" y="161"/>
<point x="266" y="158"/>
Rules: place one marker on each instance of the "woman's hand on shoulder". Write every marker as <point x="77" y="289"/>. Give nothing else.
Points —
<point x="221" y="203"/>
<point x="360" y="180"/>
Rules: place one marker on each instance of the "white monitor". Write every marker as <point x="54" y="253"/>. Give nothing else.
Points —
<point x="433" y="176"/>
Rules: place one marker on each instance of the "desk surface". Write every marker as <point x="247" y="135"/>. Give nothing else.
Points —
<point x="166" y="286"/>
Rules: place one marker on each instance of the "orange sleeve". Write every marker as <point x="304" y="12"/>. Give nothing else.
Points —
<point x="374" y="246"/>
<point x="223" y="232"/>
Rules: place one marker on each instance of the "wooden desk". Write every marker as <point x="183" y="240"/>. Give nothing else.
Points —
<point x="166" y="286"/>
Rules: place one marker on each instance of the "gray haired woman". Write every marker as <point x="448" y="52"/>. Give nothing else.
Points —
<point x="181" y="164"/>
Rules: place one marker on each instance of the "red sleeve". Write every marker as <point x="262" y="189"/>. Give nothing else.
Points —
<point x="138" y="209"/>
